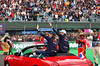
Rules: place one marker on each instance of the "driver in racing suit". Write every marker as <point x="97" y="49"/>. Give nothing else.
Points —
<point x="63" y="41"/>
<point x="51" y="44"/>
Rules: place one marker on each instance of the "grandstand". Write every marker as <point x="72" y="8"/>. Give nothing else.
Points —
<point x="49" y="10"/>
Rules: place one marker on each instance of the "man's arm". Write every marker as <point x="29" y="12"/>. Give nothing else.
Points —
<point x="46" y="37"/>
<point x="10" y="42"/>
<point x="55" y="30"/>
<point x="3" y="38"/>
<point x="77" y="40"/>
<point x="68" y="48"/>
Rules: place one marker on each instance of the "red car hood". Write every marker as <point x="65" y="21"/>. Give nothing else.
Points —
<point x="68" y="60"/>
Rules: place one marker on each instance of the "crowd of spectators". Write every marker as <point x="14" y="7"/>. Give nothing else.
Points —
<point x="72" y="36"/>
<point x="66" y="10"/>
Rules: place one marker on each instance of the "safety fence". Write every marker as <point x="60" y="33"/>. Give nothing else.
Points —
<point x="57" y="25"/>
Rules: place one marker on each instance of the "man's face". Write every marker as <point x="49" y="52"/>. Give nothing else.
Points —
<point x="7" y="39"/>
<point x="50" y="35"/>
<point x="61" y="33"/>
<point x="86" y="33"/>
<point x="81" y="36"/>
<point x="47" y="34"/>
<point x="95" y="33"/>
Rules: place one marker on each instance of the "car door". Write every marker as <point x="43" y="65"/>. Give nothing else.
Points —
<point x="29" y="61"/>
<point x="16" y="61"/>
<point x="12" y="60"/>
<point x="25" y="61"/>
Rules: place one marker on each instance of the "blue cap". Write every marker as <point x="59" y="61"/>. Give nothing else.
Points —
<point x="53" y="33"/>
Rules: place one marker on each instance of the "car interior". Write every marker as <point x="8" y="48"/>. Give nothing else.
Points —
<point x="29" y="51"/>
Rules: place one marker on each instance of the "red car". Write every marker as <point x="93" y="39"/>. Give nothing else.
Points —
<point x="62" y="59"/>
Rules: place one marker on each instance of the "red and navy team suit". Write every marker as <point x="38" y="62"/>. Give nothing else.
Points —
<point x="81" y="46"/>
<point x="63" y="42"/>
<point x="51" y="45"/>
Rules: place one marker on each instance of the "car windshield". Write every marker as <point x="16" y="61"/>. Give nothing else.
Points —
<point x="29" y="51"/>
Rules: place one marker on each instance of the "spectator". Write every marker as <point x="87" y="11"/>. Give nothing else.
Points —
<point x="95" y="46"/>
<point x="12" y="16"/>
<point x="78" y="10"/>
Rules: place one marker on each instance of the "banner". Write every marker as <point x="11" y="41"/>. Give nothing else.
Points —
<point x="2" y="28"/>
<point x="73" y="44"/>
<point x="86" y="30"/>
<point x="29" y="32"/>
<point x="45" y="29"/>
<point x="21" y="45"/>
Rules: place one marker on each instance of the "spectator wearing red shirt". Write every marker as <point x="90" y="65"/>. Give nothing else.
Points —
<point x="36" y="38"/>
<point x="12" y="16"/>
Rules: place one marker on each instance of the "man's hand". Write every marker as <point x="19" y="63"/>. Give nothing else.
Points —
<point x="37" y="27"/>
<point x="50" y="25"/>
<point x="98" y="45"/>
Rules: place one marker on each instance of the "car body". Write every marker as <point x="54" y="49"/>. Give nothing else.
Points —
<point x="62" y="59"/>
